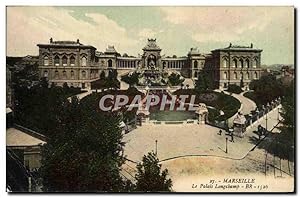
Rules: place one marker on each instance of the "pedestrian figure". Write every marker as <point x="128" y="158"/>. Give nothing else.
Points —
<point x="126" y="129"/>
<point x="259" y="135"/>
<point x="231" y="134"/>
<point x="220" y="132"/>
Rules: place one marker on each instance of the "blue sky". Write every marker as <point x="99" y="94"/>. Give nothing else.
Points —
<point x="176" y="29"/>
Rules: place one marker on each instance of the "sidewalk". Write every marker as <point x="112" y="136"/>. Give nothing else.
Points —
<point x="190" y="140"/>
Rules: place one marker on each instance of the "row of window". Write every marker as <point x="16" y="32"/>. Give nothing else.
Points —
<point x="235" y="76"/>
<point x="174" y="64"/>
<point x="64" y="74"/>
<point x="64" y="61"/>
<point x="240" y="63"/>
<point x="125" y="64"/>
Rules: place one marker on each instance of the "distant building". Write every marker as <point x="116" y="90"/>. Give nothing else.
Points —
<point x="287" y="75"/>
<point x="68" y="61"/>
<point x="27" y="144"/>
<point x="23" y="158"/>
<point x="287" y="71"/>
<point x="79" y="65"/>
<point x="235" y="63"/>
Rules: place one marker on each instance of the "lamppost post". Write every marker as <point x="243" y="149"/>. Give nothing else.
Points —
<point x="278" y="114"/>
<point x="267" y="121"/>
<point x="226" y="149"/>
<point x="156" y="147"/>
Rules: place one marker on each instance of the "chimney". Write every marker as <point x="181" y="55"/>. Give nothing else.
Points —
<point x="251" y="45"/>
<point x="51" y="40"/>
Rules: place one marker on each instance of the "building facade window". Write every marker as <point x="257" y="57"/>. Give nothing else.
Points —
<point x="255" y="63"/>
<point x="255" y="75"/>
<point x="64" y="74"/>
<point x="64" y="61"/>
<point x="234" y="75"/>
<point x="241" y="76"/>
<point x="241" y="63"/>
<point x="109" y="63"/>
<point x="247" y="76"/>
<point x="46" y="74"/>
<point x="83" y="74"/>
<point x="56" y="60"/>
<point x="83" y="61"/>
<point x="225" y="62"/>
<point x="72" y="74"/>
<point x="46" y="61"/>
<point x="72" y="61"/>
<point x="247" y="63"/>
<point x="56" y="75"/>
<point x="235" y="63"/>
<point x="225" y="75"/>
<point x="195" y="64"/>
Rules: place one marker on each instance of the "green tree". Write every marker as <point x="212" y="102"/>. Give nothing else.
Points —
<point x="65" y="86"/>
<point x="242" y="83"/>
<point x="112" y="81"/>
<point x="287" y="135"/>
<point x="149" y="176"/>
<point x="102" y="75"/>
<point x="175" y="79"/>
<point x="201" y="83"/>
<point x="131" y="79"/>
<point x="44" y="82"/>
<point x="37" y="107"/>
<point x="233" y="88"/>
<point x="85" y="153"/>
<point x="266" y="89"/>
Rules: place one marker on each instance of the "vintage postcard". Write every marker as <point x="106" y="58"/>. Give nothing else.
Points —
<point x="150" y="99"/>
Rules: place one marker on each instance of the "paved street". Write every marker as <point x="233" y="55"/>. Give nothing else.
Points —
<point x="247" y="104"/>
<point x="190" y="139"/>
<point x="209" y="160"/>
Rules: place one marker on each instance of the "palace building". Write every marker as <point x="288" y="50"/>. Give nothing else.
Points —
<point x="79" y="65"/>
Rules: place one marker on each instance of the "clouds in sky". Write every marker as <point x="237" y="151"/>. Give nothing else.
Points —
<point x="176" y="28"/>
<point x="28" y="26"/>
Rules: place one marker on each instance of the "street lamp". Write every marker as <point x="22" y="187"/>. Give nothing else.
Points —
<point x="278" y="114"/>
<point x="226" y="149"/>
<point x="156" y="148"/>
<point x="268" y="107"/>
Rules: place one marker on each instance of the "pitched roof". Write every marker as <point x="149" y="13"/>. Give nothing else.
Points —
<point x="18" y="137"/>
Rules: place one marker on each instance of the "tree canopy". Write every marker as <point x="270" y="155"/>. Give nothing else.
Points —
<point x="175" y="80"/>
<point x="266" y="89"/>
<point x="149" y="176"/>
<point x="131" y="79"/>
<point x="85" y="153"/>
<point x="204" y="82"/>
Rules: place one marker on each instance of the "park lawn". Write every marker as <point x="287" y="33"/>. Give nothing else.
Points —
<point x="92" y="100"/>
<point x="220" y="101"/>
<point x="252" y="96"/>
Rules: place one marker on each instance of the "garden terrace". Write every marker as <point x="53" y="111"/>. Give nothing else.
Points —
<point x="220" y="101"/>
<point x="92" y="100"/>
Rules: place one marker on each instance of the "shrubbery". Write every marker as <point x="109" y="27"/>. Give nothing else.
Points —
<point x="131" y="78"/>
<point x="175" y="79"/>
<point x="228" y="104"/>
<point x="234" y="89"/>
<point x="108" y="82"/>
<point x="266" y="89"/>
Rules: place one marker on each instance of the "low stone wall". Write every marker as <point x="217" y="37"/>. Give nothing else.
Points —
<point x="184" y="122"/>
<point x="263" y="117"/>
